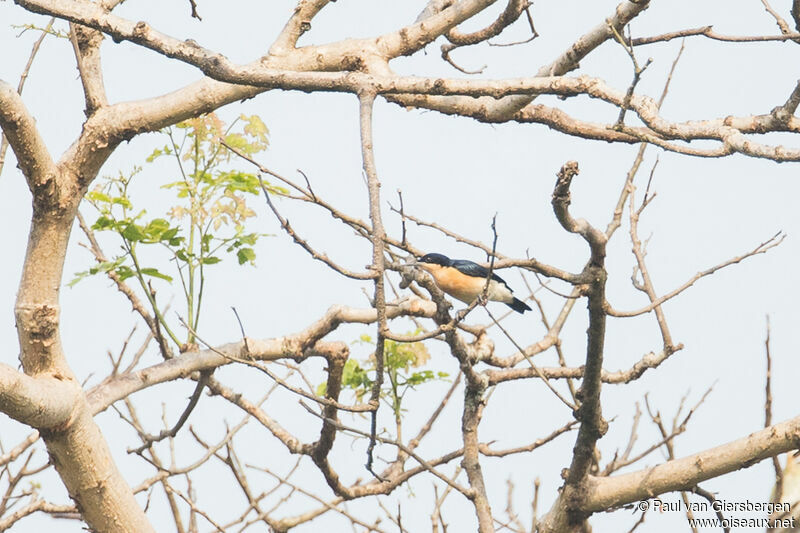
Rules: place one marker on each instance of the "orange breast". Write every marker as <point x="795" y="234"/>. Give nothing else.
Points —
<point x="458" y="285"/>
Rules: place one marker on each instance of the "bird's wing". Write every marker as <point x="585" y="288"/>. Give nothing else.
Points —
<point x="474" y="269"/>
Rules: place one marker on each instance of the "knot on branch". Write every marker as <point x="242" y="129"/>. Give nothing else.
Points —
<point x="481" y="348"/>
<point x="39" y="322"/>
<point x="592" y="419"/>
<point x="565" y="175"/>
<point x="87" y="37"/>
<point x="140" y="30"/>
<point x="561" y="200"/>
<point x="573" y="497"/>
<point x="781" y="114"/>
<point x="353" y="63"/>
<point x="334" y="383"/>
<point x="48" y="197"/>
<point x="38" y="336"/>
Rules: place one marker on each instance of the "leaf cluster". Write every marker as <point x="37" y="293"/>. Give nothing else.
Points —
<point x="403" y="367"/>
<point x="208" y="218"/>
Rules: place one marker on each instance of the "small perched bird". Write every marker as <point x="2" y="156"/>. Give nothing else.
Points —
<point x="466" y="280"/>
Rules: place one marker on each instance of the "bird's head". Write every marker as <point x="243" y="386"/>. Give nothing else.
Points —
<point x="431" y="262"/>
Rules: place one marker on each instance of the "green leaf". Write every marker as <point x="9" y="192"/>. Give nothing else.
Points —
<point x="210" y="260"/>
<point x="255" y="127"/>
<point x="205" y="242"/>
<point x="250" y="239"/>
<point x="156" y="228"/>
<point x="103" y="223"/>
<point x="237" y="141"/>
<point x="240" y="181"/>
<point x="121" y="200"/>
<point x="98" y="268"/>
<point x="245" y="255"/>
<point x="134" y="233"/>
<point x="158" y="152"/>
<point x="170" y="234"/>
<point x="418" y="378"/>
<point x="353" y="376"/>
<point x="107" y="265"/>
<point x="97" y="196"/>
<point x="124" y="272"/>
<point x="78" y="277"/>
<point x="153" y="272"/>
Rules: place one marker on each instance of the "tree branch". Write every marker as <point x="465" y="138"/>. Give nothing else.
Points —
<point x="19" y="127"/>
<point x="22" y="78"/>
<point x="86" y="44"/>
<point x="683" y="474"/>
<point x="589" y="413"/>
<point x="42" y="402"/>
<point x="366" y="102"/>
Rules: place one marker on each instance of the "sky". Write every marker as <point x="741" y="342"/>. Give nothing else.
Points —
<point x="458" y="173"/>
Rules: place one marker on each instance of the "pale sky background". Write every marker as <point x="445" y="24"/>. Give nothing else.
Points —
<point x="458" y="173"/>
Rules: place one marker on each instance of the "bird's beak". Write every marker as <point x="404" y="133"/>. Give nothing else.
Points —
<point x="424" y="266"/>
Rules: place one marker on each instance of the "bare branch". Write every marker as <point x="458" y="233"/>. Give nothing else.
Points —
<point x="22" y="78"/>
<point x="35" y="505"/>
<point x="86" y="45"/>
<point x="778" y="19"/>
<point x="502" y="261"/>
<point x="424" y="464"/>
<point x="19" y="128"/>
<point x="707" y="31"/>
<point x="510" y="14"/>
<point x="796" y="14"/>
<point x="593" y="426"/>
<point x="485" y="450"/>
<point x="474" y="402"/>
<point x="296" y="347"/>
<point x="19" y="449"/>
<point x="776" y="465"/>
<point x="763" y="247"/>
<point x="647" y="362"/>
<point x="304" y="244"/>
<point x="149" y="440"/>
<point x="297" y="25"/>
<point x="685" y="473"/>
<point x="42" y="402"/>
<point x="535" y="369"/>
<point x="366" y="102"/>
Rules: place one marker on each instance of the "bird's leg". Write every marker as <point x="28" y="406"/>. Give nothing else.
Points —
<point x="483" y="299"/>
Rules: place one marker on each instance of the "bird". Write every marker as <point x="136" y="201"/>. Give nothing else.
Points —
<point x="465" y="280"/>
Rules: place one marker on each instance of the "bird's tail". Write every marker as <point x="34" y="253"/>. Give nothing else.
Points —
<point x="518" y="305"/>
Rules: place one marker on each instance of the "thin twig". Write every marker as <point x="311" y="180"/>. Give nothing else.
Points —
<point x="22" y="78"/>
<point x="535" y="368"/>
<point x="776" y="465"/>
<point x="149" y="440"/>
<point x="366" y="102"/>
